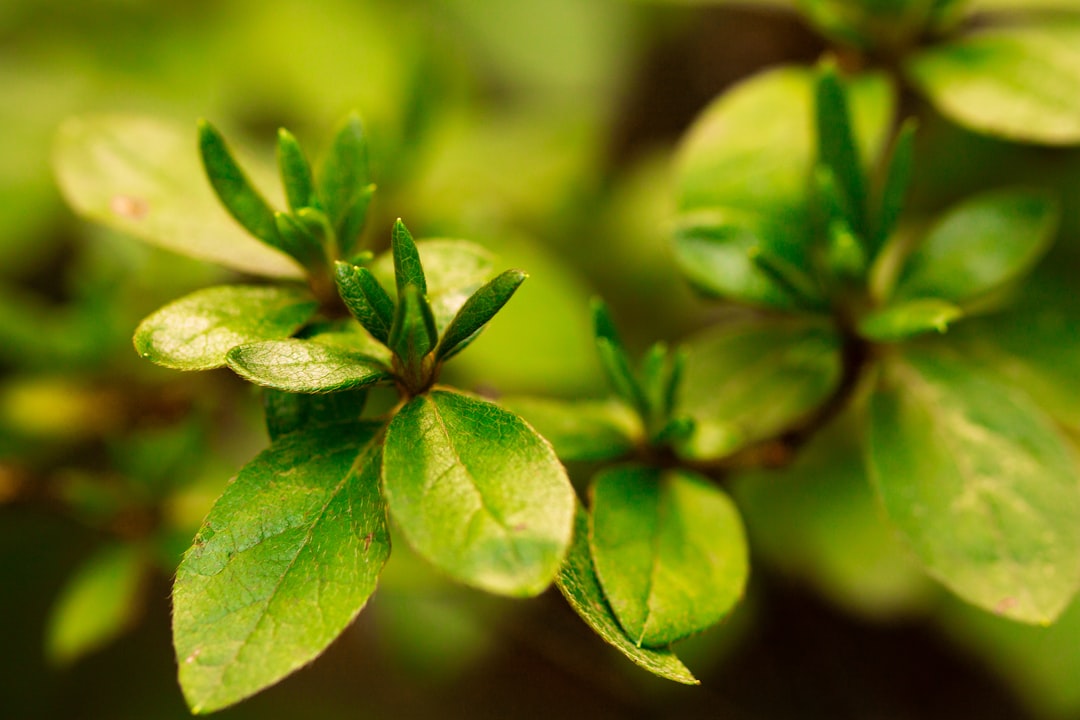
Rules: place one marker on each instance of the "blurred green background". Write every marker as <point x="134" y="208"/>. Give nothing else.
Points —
<point x="543" y="129"/>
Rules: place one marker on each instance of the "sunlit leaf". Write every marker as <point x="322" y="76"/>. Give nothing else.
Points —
<point x="304" y="366"/>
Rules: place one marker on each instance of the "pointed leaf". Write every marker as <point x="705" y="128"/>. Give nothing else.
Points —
<point x="478" y="493"/>
<point x="295" y="173"/>
<point x="288" y="412"/>
<point x="578" y="583"/>
<point x="894" y="190"/>
<point x="836" y="145"/>
<point x="907" y="319"/>
<point x="286" y="559"/>
<point x="304" y="366"/>
<point x="352" y="225"/>
<point x="141" y="177"/>
<point x="407" y="267"/>
<point x="614" y="359"/>
<point x="297" y="240"/>
<point x="669" y="549"/>
<point x="233" y="188"/>
<point x="582" y="430"/>
<point x="979" y="483"/>
<point x="366" y="299"/>
<point x="980" y="245"/>
<point x="478" y="310"/>
<point x="196" y="331"/>
<point x="792" y="279"/>
<point x="413" y="334"/>
<point x="344" y="173"/>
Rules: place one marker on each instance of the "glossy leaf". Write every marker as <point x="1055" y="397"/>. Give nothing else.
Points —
<point x="286" y="559"/>
<point x="97" y="603"/>
<point x="407" y="267"/>
<point x="578" y="583"/>
<point x="752" y="379"/>
<point x="478" y="493"/>
<point x="907" y="319"/>
<point x="141" y="177"/>
<point x="295" y="173"/>
<point x="196" y="331"/>
<point x="288" y="412"/>
<point x="583" y="429"/>
<point x="413" y="334"/>
<point x="344" y="173"/>
<point x="669" y="549"/>
<point x="233" y="187"/>
<point x="979" y="483"/>
<point x="366" y="299"/>
<point x="980" y="245"/>
<point x="304" y="366"/>
<point x="477" y="311"/>
<point x="836" y="145"/>
<point x="1020" y="81"/>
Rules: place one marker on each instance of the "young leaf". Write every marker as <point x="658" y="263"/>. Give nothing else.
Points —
<point x="894" y="189"/>
<point x="195" y="332"/>
<point x="407" y="267"/>
<point x="352" y="225"/>
<point x="344" y="173"/>
<point x="794" y="280"/>
<point x="413" y="334"/>
<point x="297" y="240"/>
<point x="669" y="549"/>
<point x="295" y="173"/>
<point x="585" y="430"/>
<point x="366" y="299"/>
<point x="233" y="188"/>
<point x="980" y="484"/>
<point x="907" y="319"/>
<point x="97" y="603"/>
<point x="304" y="366"/>
<point x="478" y="493"/>
<point x="614" y="359"/>
<point x="477" y="311"/>
<point x="980" y="245"/>
<point x="286" y="559"/>
<point x="578" y="583"/>
<point x="836" y="145"/>
<point x="288" y="412"/>
<point x="318" y="226"/>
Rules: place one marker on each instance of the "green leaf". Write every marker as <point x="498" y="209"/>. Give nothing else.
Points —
<point x="354" y="222"/>
<point x="582" y="430"/>
<point x="413" y="334"/>
<point x="979" y="483"/>
<point x="477" y="311"/>
<point x="344" y="174"/>
<point x="794" y="280"/>
<point x="907" y="319"/>
<point x="196" y="331"/>
<point x="615" y="360"/>
<point x="295" y="173"/>
<point x="288" y="412"/>
<point x="1020" y="81"/>
<point x="97" y="603"/>
<point x="895" y="187"/>
<point x="297" y="240"/>
<point x="286" y="559"/>
<point x="141" y="177"/>
<point x="366" y="299"/>
<point x="578" y="583"/>
<point x="233" y="188"/>
<point x="980" y="245"/>
<point x="407" y="267"/>
<point x="304" y="366"/>
<point x="752" y="379"/>
<point x="478" y="493"/>
<point x="669" y="549"/>
<point x="836" y="145"/>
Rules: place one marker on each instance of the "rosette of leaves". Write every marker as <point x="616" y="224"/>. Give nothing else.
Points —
<point x="661" y="552"/>
<point x="293" y="548"/>
<point x="791" y="204"/>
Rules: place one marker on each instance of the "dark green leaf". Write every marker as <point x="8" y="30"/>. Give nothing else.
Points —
<point x="979" y="483"/>
<point x="286" y="559"/>
<point x="366" y="299"/>
<point x="234" y="189"/>
<point x="295" y="173"/>
<point x="318" y="225"/>
<point x="792" y="279"/>
<point x="614" y="359"/>
<point x="297" y="240"/>
<point x="478" y="493"/>
<point x="583" y="429"/>
<point x="288" y="412"/>
<point x="836" y="145"/>
<point x="354" y="222"/>
<point x="579" y="585"/>
<point x="477" y="311"/>
<point x="304" y="366"/>
<point x="907" y="319"/>
<point x="195" y="332"/>
<point x="669" y="549"/>
<point x="980" y="245"/>
<point x="407" y="267"/>
<point x="344" y="173"/>
<point x="413" y="334"/>
<point x="895" y="187"/>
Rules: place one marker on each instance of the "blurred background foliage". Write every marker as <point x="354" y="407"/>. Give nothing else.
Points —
<point x="543" y="129"/>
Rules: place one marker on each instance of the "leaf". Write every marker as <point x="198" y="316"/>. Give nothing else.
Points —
<point x="581" y="430"/>
<point x="894" y="190"/>
<point x="413" y="334"/>
<point x="615" y="360"/>
<point x="304" y="366"/>
<point x="288" y="412"/>
<point x="407" y="267"/>
<point x="366" y="299"/>
<point x="578" y="583"/>
<point x="836" y="145"/>
<point x="669" y="549"/>
<point x="140" y="176"/>
<point x="1020" y="82"/>
<point x="234" y="189"/>
<point x="286" y="559"/>
<point x="352" y="225"/>
<point x="979" y="483"/>
<point x="477" y="311"/>
<point x="196" y="331"/>
<point x="478" y="493"/>
<point x="980" y="245"/>
<point x="96" y="604"/>
<point x="908" y="319"/>
<point x="752" y="379"/>
<point x="298" y="241"/>
<point x="295" y="173"/>
<point x="344" y="173"/>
